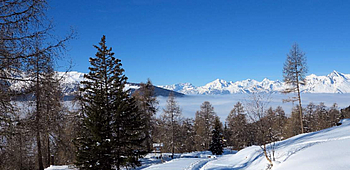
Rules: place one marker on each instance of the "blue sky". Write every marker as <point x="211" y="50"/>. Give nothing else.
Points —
<point x="197" y="41"/>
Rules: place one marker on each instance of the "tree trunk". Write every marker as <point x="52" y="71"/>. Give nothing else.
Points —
<point x="37" y="118"/>
<point x="173" y="135"/>
<point x="300" y="109"/>
<point x="48" y="151"/>
<point x="266" y="156"/>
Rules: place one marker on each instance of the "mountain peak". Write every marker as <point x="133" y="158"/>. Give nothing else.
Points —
<point x="336" y="74"/>
<point x="219" y="82"/>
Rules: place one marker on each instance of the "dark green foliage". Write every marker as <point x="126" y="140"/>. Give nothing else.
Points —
<point x="111" y="127"/>
<point x="216" y="145"/>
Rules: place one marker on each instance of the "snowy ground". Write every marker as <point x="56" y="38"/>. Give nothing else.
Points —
<point x="322" y="150"/>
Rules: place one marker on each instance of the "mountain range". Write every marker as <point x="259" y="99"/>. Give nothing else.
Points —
<point x="334" y="82"/>
<point x="71" y="81"/>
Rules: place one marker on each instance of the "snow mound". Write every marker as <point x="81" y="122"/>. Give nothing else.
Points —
<point x="65" y="167"/>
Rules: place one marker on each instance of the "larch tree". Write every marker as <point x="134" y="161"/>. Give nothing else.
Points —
<point x="256" y="109"/>
<point x="25" y="33"/>
<point x="172" y="119"/>
<point x="204" y="124"/>
<point x="147" y="103"/>
<point x="187" y="135"/>
<point x="294" y="71"/>
<point x="237" y="126"/>
<point x="112" y="127"/>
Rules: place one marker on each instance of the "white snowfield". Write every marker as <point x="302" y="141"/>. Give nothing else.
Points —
<point x="323" y="150"/>
<point x="327" y="149"/>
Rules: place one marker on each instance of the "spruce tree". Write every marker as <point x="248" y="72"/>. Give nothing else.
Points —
<point x="216" y="145"/>
<point x="111" y="128"/>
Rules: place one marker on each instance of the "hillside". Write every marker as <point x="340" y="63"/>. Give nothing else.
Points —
<point x="322" y="150"/>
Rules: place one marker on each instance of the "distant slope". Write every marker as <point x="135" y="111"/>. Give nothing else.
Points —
<point x="334" y="82"/>
<point x="157" y="90"/>
<point x="70" y="82"/>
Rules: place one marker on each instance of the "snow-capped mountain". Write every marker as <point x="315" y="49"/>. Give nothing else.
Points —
<point x="334" y="82"/>
<point x="70" y="82"/>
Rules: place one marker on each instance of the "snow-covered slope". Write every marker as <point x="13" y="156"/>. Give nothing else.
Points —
<point x="334" y="82"/>
<point x="322" y="150"/>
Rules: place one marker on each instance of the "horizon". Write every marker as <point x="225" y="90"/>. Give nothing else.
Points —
<point x="227" y="80"/>
<point x="197" y="41"/>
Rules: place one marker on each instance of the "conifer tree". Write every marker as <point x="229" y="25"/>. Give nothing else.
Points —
<point x="294" y="71"/>
<point x="111" y="128"/>
<point x="216" y="145"/>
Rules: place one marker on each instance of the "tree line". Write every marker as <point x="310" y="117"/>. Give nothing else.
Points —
<point x="244" y="126"/>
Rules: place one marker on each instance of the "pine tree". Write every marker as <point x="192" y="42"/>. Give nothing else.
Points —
<point x="111" y="128"/>
<point x="294" y="71"/>
<point x="216" y="145"/>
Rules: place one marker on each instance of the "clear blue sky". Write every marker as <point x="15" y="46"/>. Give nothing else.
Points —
<point x="197" y="41"/>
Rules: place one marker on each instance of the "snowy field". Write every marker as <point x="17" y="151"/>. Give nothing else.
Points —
<point x="223" y="104"/>
<point x="323" y="150"/>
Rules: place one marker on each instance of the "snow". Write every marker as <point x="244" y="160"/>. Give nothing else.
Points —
<point x="322" y="150"/>
<point x="65" y="167"/>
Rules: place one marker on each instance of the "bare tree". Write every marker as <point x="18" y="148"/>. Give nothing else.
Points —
<point x="172" y="118"/>
<point x="237" y="127"/>
<point x="147" y="103"/>
<point x="204" y="125"/>
<point x="25" y="34"/>
<point x="294" y="71"/>
<point x="256" y="108"/>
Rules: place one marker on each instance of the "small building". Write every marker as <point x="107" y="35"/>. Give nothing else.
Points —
<point x="157" y="147"/>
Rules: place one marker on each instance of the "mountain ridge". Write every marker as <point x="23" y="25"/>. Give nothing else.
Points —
<point x="334" y="82"/>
